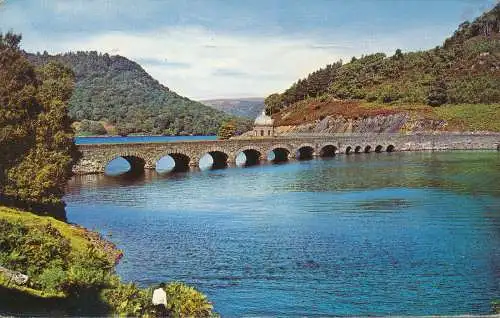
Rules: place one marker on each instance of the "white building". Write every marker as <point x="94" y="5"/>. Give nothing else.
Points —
<point x="263" y="126"/>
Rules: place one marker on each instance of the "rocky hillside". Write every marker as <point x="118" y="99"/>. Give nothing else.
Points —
<point x="243" y="107"/>
<point x="454" y="86"/>
<point x="116" y="93"/>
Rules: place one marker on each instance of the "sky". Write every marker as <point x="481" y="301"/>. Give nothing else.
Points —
<point x="206" y="49"/>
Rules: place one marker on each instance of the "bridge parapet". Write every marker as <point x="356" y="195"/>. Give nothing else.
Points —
<point x="96" y="157"/>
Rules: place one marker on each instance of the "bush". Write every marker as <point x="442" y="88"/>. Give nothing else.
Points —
<point x="31" y="254"/>
<point x="92" y="127"/>
<point x="53" y="279"/>
<point x="226" y="130"/>
<point x="389" y="94"/>
<point x="185" y="301"/>
<point x="129" y="300"/>
<point x="437" y="94"/>
<point x="82" y="276"/>
<point x="496" y="306"/>
<point x="182" y="301"/>
<point x="91" y="268"/>
<point x="371" y="97"/>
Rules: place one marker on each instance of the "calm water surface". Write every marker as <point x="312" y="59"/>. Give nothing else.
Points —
<point x="369" y="234"/>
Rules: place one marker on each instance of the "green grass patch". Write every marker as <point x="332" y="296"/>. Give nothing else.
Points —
<point x="72" y="272"/>
<point x="460" y="117"/>
<point x="470" y="117"/>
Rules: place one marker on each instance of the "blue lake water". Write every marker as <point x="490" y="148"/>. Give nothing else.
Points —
<point x="368" y="234"/>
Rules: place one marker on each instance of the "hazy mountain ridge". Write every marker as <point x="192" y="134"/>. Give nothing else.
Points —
<point x="244" y="107"/>
<point x="118" y="91"/>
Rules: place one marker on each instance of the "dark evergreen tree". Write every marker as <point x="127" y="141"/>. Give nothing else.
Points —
<point x="398" y="55"/>
<point x="437" y="94"/>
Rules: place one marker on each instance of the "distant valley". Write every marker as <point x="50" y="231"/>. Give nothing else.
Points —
<point x="243" y="107"/>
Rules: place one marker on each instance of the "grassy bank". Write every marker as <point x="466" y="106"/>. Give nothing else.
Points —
<point x="72" y="272"/>
<point x="460" y="117"/>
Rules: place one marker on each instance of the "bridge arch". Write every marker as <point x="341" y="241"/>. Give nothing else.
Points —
<point x="181" y="162"/>
<point x="390" y="148"/>
<point x="378" y="149"/>
<point x="252" y="155"/>
<point x="357" y="149"/>
<point x="348" y="150"/>
<point x="328" y="150"/>
<point x="281" y="152"/>
<point x="219" y="157"/>
<point x="305" y="151"/>
<point x="368" y="149"/>
<point x="136" y="161"/>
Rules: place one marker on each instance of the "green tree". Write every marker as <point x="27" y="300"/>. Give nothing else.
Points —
<point x="226" y="130"/>
<point x="398" y="55"/>
<point x="273" y="103"/>
<point x="437" y="94"/>
<point x="36" y="129"/>
<point x="19" y="107"/>
<point x="42" y="174"/>
<point x="91" y="127"/>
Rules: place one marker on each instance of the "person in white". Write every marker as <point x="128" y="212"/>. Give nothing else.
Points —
<point x="160" y="299"/>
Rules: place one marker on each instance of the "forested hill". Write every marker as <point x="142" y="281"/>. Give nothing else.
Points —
<point x="464" y="70"/>
<point x="119" y="93"/>
<point x="244" y="107"/>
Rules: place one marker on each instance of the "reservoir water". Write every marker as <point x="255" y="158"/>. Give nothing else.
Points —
<point x="368" y="234"/>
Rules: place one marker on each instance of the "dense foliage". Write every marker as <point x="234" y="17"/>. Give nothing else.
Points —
<point x="465" y="69"/>
<point x="35" y="130"/>
<point x="70" y="265"/>
<point x="45" y="255"/>
<point x="118" y="91"/>
<point x="185" y="301"/>
<point x="91" y="127"/>
<point x="182" y="301"/>
<point x="226" y="130"/>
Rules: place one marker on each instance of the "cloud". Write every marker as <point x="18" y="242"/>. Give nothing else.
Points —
<point x="218" y="48"/>
<point x="230" y="73"/>
<point x="158" y="62"/>
<point x="200" y="63"/>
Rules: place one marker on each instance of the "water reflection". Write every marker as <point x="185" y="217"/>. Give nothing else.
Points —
<point x="366" y="234"/>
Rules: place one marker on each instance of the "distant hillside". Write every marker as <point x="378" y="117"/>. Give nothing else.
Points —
<point x="244" y="107"/>
<point x="115" y="93"/>
<point x="464" y="71"/>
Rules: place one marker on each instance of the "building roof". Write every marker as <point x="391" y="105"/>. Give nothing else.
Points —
<point x="263" y="120"/>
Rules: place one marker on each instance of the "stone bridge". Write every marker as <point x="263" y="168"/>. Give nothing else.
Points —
<point x="188" y="153"/>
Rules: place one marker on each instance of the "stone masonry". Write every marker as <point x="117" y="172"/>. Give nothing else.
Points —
<point x="96" y="157"/>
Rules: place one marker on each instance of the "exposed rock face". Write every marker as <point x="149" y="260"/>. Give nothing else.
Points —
<point x="13" y="276"/>
<point x="378" y="124"/>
